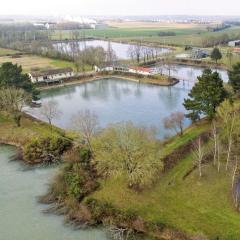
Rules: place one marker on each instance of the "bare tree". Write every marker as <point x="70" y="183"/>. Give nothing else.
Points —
<point x="111" y="56"/>
<point x="230" y="138"/>
<point x="135" y="52"/>
<point x="234" y="171"/>
<point x="219" y="151"/>
<point x="198" y="153"/>
<point x="50" y="111"/>
<point x="86" y="123"/>
<point x="226" y="113"/>
<point x="12" y="100"/>
<point x="215" y="138"/>
<point x="175" y="122"/>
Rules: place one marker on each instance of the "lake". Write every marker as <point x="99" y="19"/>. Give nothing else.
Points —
<point x="116" y="100"/>
<point x="121" y="49"/>
<point x="21" y="216"/>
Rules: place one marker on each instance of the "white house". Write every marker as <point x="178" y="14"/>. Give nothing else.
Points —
<point x="234" y="43"/>
<point x="126" y="69"/>
<point x="141" y="70"/>
<point x="52" y="75"/>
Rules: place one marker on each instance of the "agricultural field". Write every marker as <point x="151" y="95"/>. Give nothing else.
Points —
<point x="191" y="34"/>
<point x="184" y="37"/>
<point x="131" y="32"/>
<point x="158" y="25"/>
<point x="33" y="62"/>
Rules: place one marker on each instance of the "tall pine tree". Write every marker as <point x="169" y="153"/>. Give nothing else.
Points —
<point x="205" y="96"/>
<point x="234" y="77"/>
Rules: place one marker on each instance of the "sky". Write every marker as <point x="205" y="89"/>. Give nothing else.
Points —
<point x="120" y="7"/>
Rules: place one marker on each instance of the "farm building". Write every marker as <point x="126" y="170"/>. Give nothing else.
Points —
<point x="126" y="69"/>
<point x="198" y="53"/>
<point x="236" y="50"/>
<point x="140" y="70"/>
<point x="52" y="75"/>
<point x="234" y="43"/>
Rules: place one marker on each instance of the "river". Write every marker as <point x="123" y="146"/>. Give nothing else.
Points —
<point x="121" y="49"/>
<point x="21" y="216"/>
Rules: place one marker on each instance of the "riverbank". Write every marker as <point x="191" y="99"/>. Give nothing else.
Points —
<point x="97" y="206"/>
<point x="188" y="62"/>
<point x="176" y="207"/>
<point x="30" y="135"/>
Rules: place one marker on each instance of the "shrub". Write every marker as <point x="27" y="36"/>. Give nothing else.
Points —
<point x="46" y="149"/>
<point x="74" y="182"/>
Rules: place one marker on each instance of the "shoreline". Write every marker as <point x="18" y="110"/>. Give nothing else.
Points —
<point x="78" y="81"/>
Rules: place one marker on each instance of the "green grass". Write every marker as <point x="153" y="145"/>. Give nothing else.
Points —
<point x="194" y="205"/>
<point x="190" y="38"/>
<point x="29" y="129"/>
<point x="65" y="64"/>
<point x="5" y="51"/>
<point x="127" y="32"/>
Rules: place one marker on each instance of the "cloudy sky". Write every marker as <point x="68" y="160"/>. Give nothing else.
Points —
<point x="120" y="7"/>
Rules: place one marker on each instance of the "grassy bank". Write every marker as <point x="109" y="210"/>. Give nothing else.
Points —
<point x="34" y="137"/>
<point x="198" y="206"/>
<point x="5" y="51"/>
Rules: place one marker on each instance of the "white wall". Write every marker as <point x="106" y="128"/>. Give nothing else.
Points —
<point x="51" y="77"/>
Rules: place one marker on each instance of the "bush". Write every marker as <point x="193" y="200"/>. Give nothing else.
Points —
<point x="103" y="210"/>
<point x="45" y="149"/>
<point x="74" y="182"/>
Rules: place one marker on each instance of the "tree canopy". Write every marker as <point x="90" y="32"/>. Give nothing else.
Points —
<point x="216" y="54"/>
<point x="12" y="100"/>
<point x="11" y="75"/>
<point x="123" y="149"/>
<point x="205" y="96"/>
<point x="234" y="77"/>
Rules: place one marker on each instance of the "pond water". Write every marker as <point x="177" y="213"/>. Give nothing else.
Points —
<point x="187" y="73"/>
<point x="115" y="100"/>
<point x="21" y="216"/>
<point x="121" y="49"/>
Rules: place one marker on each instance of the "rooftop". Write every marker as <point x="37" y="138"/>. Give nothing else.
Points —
<point x="46" y="73"/>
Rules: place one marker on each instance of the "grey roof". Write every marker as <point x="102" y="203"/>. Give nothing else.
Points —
<point x="46" y="73"/>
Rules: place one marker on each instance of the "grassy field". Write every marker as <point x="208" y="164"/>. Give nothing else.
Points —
<point x="185" y="35"/>
<point x="29" y="129"/>
<point x="158" y="25"/>
<point x="193" y="205"/>
<point x="187" y="38"/>
<point x="32" y="62"/>
<point x="127" y="32"/>
<point x="5" y="51"/>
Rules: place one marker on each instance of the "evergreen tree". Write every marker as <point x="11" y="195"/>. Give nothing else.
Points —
<point x="11" y="75"/>
<point x="216" y="54"/>
<point x="205" y="96"/>
<point x="234" y="77"/>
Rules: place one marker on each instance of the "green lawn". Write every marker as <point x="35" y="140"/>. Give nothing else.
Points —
<point x="29" y="129"/>
<point x="5" y="51"/>
<point x="194" y="205"/>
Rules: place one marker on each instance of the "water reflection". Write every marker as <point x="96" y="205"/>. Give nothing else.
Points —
<point x="115" y="100"/>
<point x="121" y="49"/>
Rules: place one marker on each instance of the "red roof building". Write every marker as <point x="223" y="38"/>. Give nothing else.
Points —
<point x="236" y="50"/>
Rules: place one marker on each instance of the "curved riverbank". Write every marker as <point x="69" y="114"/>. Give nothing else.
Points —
<point x="22" y="217"/>
<point x="90" y="210"/>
